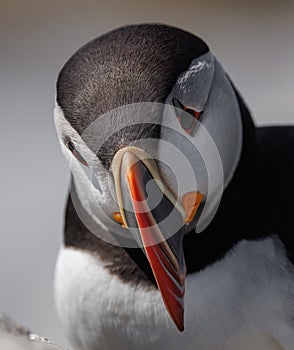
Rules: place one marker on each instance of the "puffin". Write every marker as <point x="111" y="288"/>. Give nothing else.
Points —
<point x="178" y="227"/>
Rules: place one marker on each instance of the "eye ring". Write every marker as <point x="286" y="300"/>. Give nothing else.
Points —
<point x="188" y="124"/>
<point x="76" y="153"/>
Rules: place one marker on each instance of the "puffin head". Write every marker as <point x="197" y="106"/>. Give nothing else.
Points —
<point x="151" y="127"/>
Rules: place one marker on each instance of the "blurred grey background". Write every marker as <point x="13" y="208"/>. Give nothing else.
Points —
<point x="254" y="41"/>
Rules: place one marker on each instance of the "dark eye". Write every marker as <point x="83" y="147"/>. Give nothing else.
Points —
<point x="188" y="123"/>
<point x="76" y="153"/>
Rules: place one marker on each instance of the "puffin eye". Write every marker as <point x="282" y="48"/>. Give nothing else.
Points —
<point x="76" y="153"/>
<point x="187" y="123"/>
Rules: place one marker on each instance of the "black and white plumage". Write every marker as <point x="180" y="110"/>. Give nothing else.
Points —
<point x="240" y="273"/>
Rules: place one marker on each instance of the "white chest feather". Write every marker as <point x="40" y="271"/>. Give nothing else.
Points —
<point x="243" y="302"/>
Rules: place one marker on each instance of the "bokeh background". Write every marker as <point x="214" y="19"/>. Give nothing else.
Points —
<point x="254" y="41"/>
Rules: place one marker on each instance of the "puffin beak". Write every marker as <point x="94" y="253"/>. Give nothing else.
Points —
<point x="156" y="220"/>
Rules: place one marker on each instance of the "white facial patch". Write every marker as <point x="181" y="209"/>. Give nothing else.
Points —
<point x="214" y="149"/>
<point x="93" y="184"/>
